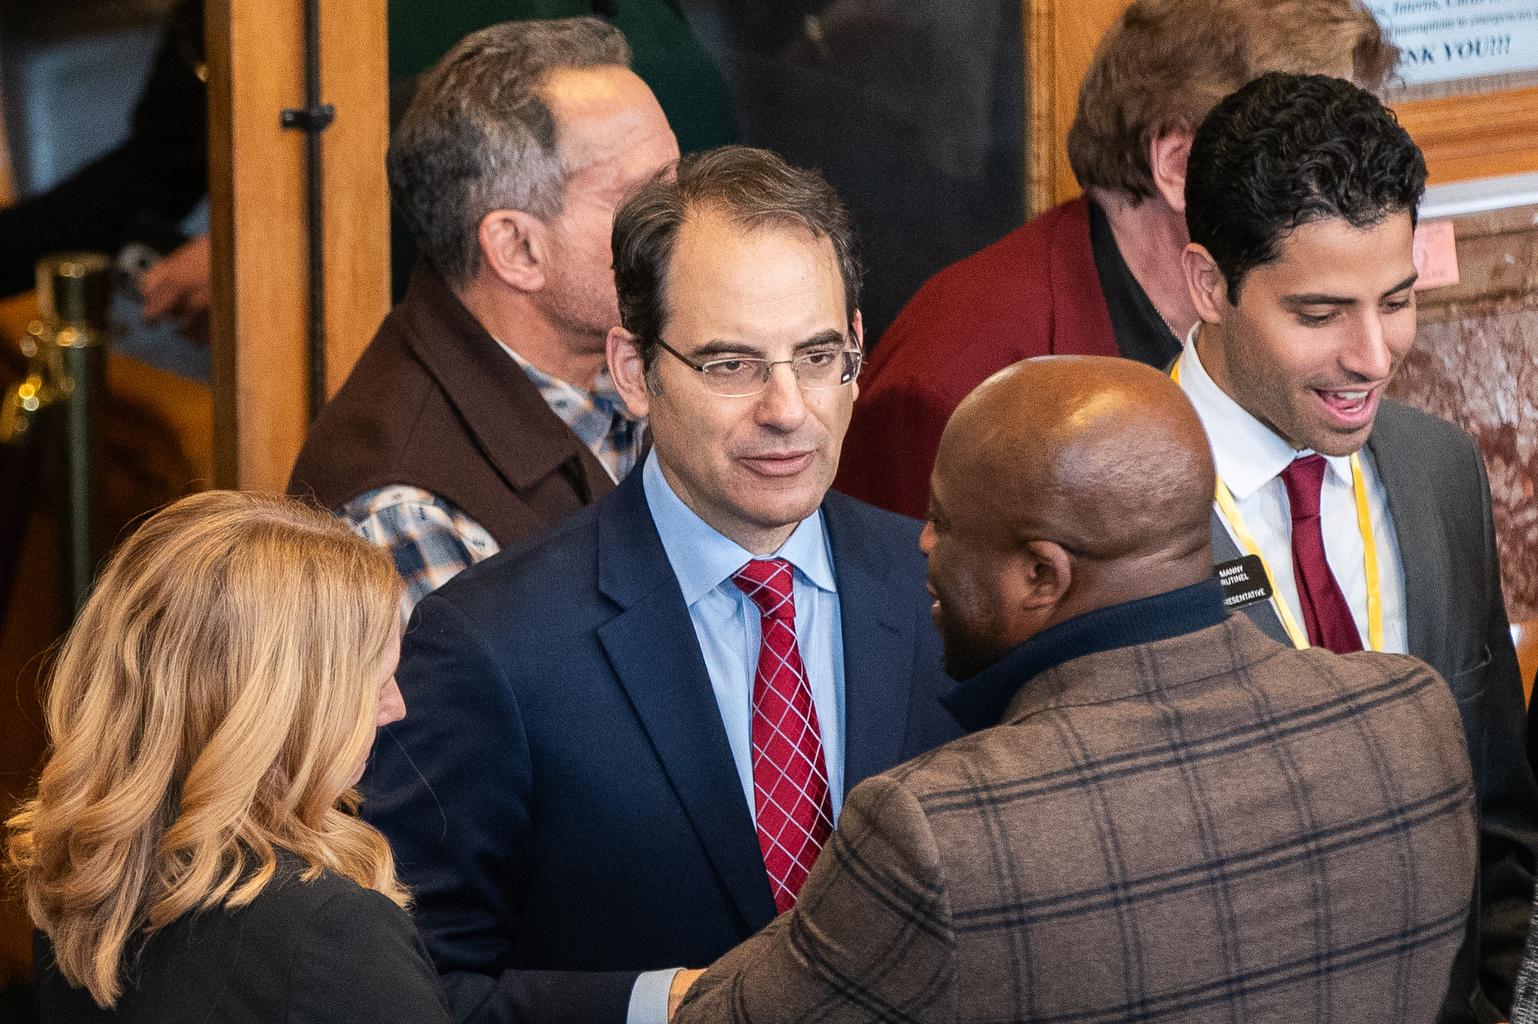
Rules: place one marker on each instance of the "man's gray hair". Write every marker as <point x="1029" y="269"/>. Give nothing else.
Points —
<point x="478" y="137"/>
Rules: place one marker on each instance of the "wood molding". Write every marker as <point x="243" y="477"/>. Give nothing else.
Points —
<point x="1463" y="137"/>
<point x="257" y="187"/>
<point x="1060" y="41"/>
<point x="1478" y="136"/>
<point x="1041" y="129"/>
<point x="256" y="183"/>
<point x="355" y="77"/>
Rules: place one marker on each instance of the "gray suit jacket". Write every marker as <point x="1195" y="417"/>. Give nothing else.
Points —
<point x="1206" y="828"/>
<point x="1456" y="617"/>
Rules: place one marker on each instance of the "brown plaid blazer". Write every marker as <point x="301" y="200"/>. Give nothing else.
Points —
<point x="1213" y="827"/>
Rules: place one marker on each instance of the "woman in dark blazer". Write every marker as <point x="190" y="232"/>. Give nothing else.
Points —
<point x="191" y="853"/>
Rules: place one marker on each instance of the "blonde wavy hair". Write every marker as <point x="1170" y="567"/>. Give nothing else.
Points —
<point x="208" y="709"/>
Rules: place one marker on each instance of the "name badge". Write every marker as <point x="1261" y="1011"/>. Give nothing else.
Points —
<point x="1244" y="581"/>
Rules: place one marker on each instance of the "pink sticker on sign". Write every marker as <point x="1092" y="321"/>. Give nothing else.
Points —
<point x="1436" y="255"/>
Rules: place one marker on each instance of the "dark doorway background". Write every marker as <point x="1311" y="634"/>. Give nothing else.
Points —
<point x="913" y="109"/>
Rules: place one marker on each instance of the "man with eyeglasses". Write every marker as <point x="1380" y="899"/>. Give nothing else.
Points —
<point x="658" y="708"/>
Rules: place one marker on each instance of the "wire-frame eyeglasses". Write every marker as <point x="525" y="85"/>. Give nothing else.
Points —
<point x="826" y="366"/>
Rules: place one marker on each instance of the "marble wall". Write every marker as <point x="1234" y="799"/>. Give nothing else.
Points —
<point x="1475" y="362"/>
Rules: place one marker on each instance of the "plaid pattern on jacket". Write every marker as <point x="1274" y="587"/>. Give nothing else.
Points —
<point x="1213" y="827"/>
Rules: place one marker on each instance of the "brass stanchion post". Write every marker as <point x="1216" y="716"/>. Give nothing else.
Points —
<point x="67" y="349"/>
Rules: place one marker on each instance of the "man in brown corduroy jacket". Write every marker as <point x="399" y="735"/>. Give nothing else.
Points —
<point x="1165" y="814"/>
<point x="482" y="413"/>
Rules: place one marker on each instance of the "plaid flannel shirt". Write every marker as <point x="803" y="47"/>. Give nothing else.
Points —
<point x="598" y="417"/>
<point x="429" y="537"/>
<point x="432" y="540"/>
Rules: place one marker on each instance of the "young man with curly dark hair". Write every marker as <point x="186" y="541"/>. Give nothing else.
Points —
<point x="1343" y="519"/>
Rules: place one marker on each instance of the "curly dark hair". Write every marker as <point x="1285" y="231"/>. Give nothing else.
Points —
<point x="1288" y="150"/>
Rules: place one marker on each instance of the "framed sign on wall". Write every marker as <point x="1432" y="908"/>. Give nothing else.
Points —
<point x="1467" y="90"/>
<point x="1468" y="83"/>
<point x="1462" y="47"/>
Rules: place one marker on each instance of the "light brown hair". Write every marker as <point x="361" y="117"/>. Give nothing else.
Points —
<point x="208" y="709"/>
<point x="1165" y="64"/>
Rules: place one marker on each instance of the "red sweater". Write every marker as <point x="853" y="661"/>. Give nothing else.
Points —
<point x="1034" y="292"/>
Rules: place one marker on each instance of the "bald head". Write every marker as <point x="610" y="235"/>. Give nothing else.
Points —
<point x="1068" y="483"/>
<point x="1104" y="456"/>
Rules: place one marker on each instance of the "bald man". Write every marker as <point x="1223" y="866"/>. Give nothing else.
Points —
<point x="1164" y="814"/>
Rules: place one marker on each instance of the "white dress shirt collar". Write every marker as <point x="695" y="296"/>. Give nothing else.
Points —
<point x="1248" y="454"/>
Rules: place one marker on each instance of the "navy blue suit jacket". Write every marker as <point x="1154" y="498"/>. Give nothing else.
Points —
<point x="561" y="796"/>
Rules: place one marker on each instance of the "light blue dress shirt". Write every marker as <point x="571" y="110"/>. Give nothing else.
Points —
<point x="728" y="625"/>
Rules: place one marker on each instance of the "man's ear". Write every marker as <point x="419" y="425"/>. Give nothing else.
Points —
<point x="1205" y="282"/>
<point x="515" y="247"/>
<point x="1167" y="155"/>
<point x="1047" y="573"/>
<point x="628" y="371"/>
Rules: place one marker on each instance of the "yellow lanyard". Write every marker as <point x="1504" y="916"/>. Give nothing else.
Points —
<point x="1229" y="510"/>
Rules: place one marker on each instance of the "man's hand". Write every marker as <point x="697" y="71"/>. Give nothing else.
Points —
<point x="179" y="286"/>
<point x="682" y="982"/>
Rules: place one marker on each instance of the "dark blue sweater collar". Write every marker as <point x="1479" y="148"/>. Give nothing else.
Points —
<point x="980" y="701"/>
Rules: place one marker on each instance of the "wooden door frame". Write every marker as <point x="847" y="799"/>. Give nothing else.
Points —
<point x="259" y="324"/>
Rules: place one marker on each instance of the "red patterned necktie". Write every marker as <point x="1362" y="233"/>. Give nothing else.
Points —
<point x="790" y="779"/>
<point x="1325" y="612"/>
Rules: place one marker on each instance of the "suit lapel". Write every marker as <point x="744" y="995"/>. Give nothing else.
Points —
<point x="1422" y="549"/>
<point x="656" y="655"/>
<point x="877" y="622"/>
<point x="1262" y="613"/>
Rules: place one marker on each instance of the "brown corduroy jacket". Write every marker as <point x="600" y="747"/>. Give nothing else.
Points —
<point x="434" y="402"/>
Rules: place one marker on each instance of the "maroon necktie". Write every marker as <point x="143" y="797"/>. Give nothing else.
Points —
<point x="1325" y="612"/>
<point x="790" y="779"/>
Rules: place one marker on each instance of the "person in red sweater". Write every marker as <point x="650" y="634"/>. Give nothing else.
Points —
<point x="1099" y="275"/>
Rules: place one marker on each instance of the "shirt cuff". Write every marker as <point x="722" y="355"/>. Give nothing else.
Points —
<point x="649" y="997"/>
